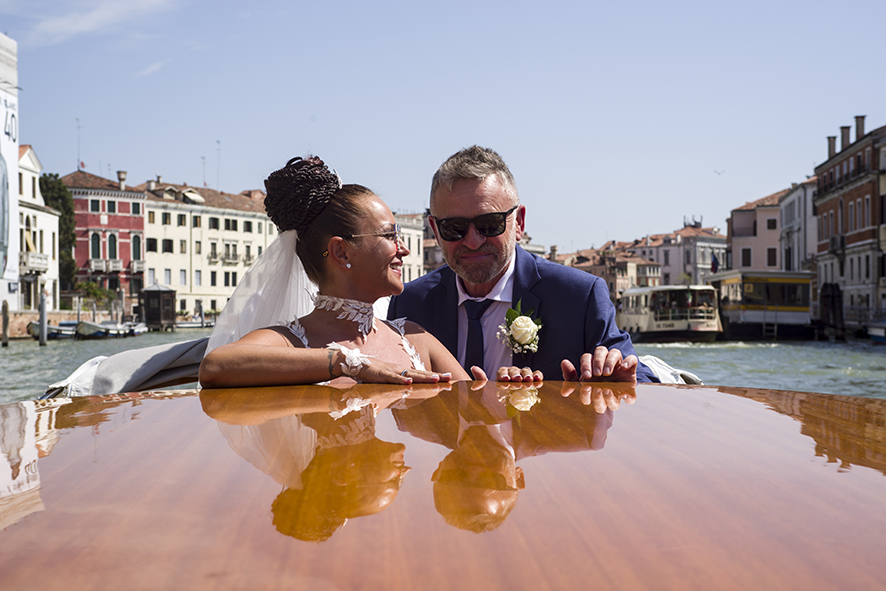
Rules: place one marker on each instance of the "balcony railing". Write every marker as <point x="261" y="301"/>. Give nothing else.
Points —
<point x="115" y="265"/>
<point x="836" y="244"/>
<point x="213" y="258"/>
<point x="826" y="186"/>
<point x="248" y="258"/>
<point x="700" y="313"/>
<point x="98" y="265"/>
<point x="137" y="266"/>
<point x="33" y="262"/>
<point x="230" y="259"/>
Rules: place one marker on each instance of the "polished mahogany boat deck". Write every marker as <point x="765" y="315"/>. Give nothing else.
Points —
<point x="678" y="488"/>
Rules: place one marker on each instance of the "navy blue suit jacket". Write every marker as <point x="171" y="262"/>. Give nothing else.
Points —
<point x="574" y="308"/>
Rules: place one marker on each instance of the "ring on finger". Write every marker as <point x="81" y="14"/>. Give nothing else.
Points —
<point x="404" y="372"/>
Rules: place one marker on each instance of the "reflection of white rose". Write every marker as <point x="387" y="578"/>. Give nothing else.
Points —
<point x="523" y="329"/>
<point x="523" y="399"/>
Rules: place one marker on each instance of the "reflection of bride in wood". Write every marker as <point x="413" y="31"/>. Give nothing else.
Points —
<point x="331" y="464"/>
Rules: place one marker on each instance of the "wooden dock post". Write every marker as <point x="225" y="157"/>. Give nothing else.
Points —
<point x="5" y="323"/>
<point x="42" y="318"/>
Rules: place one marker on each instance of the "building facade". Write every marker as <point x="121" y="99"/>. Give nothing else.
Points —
<point x="9" y="156"/>
<point x="200" y="242"/>
<point x="753" y="235"/>
<point x="851" y="213"/>
<point x="413" y="227"/>
<point x="38" y="237"/>
<point x="110" y="235"/>
<point x="686" y="256"/>
<point x="799" y="232"/>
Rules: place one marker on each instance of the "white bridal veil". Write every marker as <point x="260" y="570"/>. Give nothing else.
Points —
<point x="275" y="290"/>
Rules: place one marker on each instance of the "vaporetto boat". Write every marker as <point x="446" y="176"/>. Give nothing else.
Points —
<point x="670" y="313"/>
<point x="764" y="304"/>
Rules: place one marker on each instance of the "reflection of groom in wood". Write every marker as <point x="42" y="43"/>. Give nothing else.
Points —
<point x="477" y="484"/>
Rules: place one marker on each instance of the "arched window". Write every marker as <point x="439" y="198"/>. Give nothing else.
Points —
<point x="136" y="247"/>
<point x="112" y="246"/>
<point x="95" y="247"/>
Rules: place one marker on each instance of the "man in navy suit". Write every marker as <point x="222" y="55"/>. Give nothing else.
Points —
<point x="478" y="221"/>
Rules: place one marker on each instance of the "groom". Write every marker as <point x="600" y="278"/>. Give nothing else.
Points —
<point x="478" y="220"/>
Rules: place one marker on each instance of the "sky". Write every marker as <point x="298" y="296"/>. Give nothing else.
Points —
<point x="617" y="120"/>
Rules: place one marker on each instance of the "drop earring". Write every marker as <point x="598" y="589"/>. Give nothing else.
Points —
<point x="348" y="265"/>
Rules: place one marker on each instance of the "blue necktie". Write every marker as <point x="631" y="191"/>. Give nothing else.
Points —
<point x="474" y="348"/>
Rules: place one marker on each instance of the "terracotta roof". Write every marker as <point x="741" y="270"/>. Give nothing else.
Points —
<point x="212" y="198"/>
<point x="257" y="194"/>
<point x="84" y="180"/>
<point x="768" y="201"/>
<point x="693" y="231"/>
<point x="22" y="150"/>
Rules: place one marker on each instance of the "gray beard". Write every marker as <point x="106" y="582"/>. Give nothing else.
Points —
<point x="482" y="272"/>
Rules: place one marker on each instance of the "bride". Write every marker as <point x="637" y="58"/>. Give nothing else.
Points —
<point x="340" y="247"/>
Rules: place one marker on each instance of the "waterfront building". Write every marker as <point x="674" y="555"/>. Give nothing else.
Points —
<point x="617" y="266"/>
<point x="38" y="237"/>
<point x="200" y="242"/>
<point x="685" y="256"/>
<point x="413" y="227"/>
<point x="851" y="215"/>
<point x="9" y="186"/>
<point x="799" y="233"/>
<point x="109" y="228"/>
<point x="753" y="235"/>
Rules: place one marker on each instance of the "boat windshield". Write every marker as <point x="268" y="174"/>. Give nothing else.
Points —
<point x="684" y="304"/>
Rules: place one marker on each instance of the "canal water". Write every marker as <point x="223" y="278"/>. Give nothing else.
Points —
<point x="855" y="367"/>
<point x="26" y="368"/>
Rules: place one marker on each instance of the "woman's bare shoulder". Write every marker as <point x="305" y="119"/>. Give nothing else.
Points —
<point x="272" y="336"/>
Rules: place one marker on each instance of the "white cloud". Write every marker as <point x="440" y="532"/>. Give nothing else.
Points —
<point x="155" y="67"/>
<point x="92" y="16"/>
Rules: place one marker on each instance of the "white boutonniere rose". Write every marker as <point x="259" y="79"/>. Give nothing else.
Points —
<point x="523" y="399"/>
<point x="520" y="331"/>
<point x="519" y="400"/>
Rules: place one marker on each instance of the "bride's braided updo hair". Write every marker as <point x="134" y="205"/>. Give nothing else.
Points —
<point x="307" y="197"/>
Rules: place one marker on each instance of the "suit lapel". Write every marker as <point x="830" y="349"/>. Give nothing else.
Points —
<point x="525" y="277"/>
<point x="445" y="303"/>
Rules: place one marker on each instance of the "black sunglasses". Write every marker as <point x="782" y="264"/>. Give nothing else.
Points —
<point x="488" y="225"/>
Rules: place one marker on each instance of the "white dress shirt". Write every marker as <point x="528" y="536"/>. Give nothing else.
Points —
<point x="495" y="353"/>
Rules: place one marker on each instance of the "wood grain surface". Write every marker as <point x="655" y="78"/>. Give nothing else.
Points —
<point x="678" y="487"/>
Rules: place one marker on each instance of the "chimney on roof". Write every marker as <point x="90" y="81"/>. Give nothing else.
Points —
<point x="553" y="256"/>
<point x="832" y="146"/>
<point x="793" y="185"/>
<point x="159" y="179"/>
<point x="859" y="126"/>
<point x="152" y="184"/>
<point x="844" y="137"/>
<point x="121" y="176"/>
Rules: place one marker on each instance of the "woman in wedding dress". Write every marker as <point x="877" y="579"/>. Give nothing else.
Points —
<point x="349" y="254"/>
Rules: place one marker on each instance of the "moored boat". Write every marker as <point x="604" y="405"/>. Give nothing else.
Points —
<point x="92" y="330"/>
<point x="670" y="313"/>
<point x="64" y="330"/>
<point x="877" y="332"/>
<point x="764" y="304"/>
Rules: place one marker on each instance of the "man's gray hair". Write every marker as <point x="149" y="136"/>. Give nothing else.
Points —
<point x="474" y="163"/>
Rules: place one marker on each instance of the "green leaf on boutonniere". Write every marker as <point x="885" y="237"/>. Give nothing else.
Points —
<point x="511" y="315"/>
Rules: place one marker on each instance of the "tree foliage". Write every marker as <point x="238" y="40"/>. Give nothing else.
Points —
<point x="96" y="292"/>
<point x="57" y="196"/>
